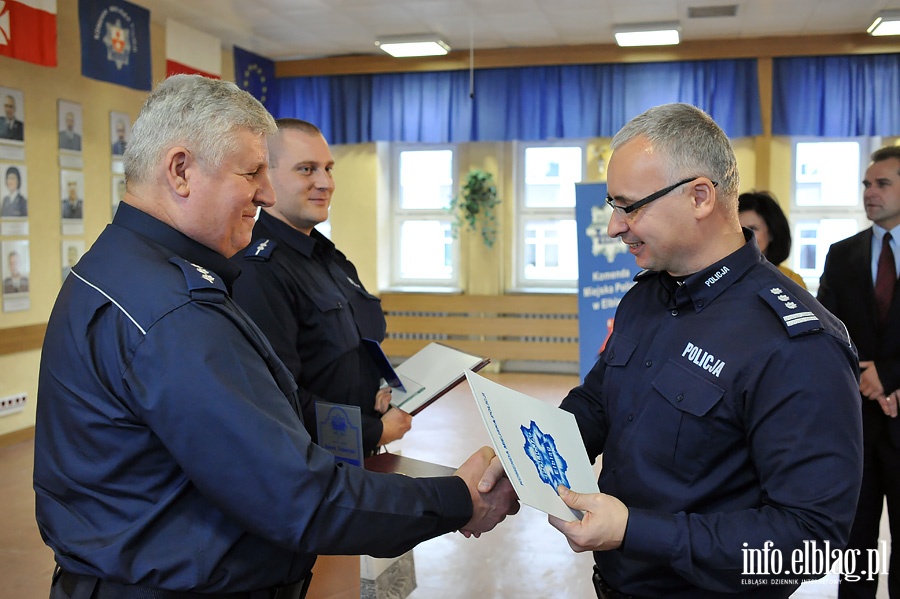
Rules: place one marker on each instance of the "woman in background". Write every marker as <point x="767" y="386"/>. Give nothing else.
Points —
<point x="760" y="212"/>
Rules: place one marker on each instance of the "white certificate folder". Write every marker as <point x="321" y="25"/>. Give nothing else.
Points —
<point x="539" y="445"/>
<point x="429" y="373"/>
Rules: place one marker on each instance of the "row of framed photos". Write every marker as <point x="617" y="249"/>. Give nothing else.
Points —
<point x="16" y="269"/>
<point x="14" y="208"/>
<point x="70" y="124"/>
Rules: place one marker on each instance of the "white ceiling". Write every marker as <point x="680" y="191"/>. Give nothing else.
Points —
<point x="296" y="29"/>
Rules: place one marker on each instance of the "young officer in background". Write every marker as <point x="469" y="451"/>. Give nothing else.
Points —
<point x="306" y="296"/>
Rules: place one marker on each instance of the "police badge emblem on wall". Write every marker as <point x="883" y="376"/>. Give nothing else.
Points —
<point x="115" y="42"/>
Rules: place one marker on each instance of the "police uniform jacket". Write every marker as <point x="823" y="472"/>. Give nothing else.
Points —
<point x="167" y="450"/>
<point x="307" y="298"/>
<point x="726" y="408"/>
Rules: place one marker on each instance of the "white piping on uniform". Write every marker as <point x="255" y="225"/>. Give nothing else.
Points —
<point x="124" y="311"/>
<point x="847" y="331"/>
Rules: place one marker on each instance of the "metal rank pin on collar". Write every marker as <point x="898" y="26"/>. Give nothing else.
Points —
<point x="205" y="273"/>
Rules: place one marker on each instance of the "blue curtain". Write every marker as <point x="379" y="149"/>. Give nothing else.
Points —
<point x="836" y="96"/>
<point x="528" y="103"/>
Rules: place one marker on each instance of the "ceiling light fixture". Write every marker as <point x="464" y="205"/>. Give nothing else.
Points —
<point x="413" y="45"/>
<point x="647" y="34"/>
<point x="887" y="22"/>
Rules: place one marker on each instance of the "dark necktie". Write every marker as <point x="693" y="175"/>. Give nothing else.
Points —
<point x="885" y="280"/>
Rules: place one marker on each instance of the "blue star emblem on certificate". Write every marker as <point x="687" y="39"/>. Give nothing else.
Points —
<point x="541" y="450"/>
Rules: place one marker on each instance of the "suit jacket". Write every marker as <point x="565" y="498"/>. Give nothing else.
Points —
<point x="14" y="130"/>
<point x="15" y="205"/>
<point x="118" y="148"/>
<point x="848" y="291"/>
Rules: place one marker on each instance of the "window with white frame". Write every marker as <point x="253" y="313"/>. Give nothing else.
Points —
<point x="546" y="254"/>
<point x="827" y="199"/>
<point x="423" y="250"/>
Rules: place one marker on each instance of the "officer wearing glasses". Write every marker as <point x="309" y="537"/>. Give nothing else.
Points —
<point x="725" y="403"/>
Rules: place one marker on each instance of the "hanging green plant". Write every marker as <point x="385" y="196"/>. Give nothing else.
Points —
<point x="474" y="207"/>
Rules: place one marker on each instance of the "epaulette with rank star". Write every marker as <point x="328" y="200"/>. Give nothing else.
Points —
<point x="261" y="250"/>
<point x="202" y="283"/>
<point x="796" y="317"/>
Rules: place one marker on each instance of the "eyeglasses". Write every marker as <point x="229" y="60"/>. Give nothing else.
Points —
<point x="643" y="202"/>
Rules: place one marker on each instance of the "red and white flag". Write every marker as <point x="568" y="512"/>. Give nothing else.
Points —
<point x="192" y="52"/>
<point x="28" y="30"/>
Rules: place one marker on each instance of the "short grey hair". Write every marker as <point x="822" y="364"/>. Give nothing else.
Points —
<point x="693" y="142"/>
<point x="201" y="114"/>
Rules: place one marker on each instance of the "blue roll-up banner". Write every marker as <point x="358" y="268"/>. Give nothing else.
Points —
<point x="605" y="272"/>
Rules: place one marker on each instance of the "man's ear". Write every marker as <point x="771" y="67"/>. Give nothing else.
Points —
<point x="178" y="163"/>
<point x="703" y="196"/>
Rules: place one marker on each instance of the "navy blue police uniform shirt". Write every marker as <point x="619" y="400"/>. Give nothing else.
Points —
<point x="306" y="296"/>
<point x="167" y="450"/>
<point x="726" y="408"/>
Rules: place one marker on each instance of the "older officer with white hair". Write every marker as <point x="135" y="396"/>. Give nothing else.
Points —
<point x="170" y="459"/>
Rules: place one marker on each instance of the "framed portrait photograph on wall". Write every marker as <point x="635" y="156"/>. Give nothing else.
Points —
<point x="12" y="124"/>
<point x="14" y="203"/>
<point x="16" y="272"/>
<point x="72" y="250"/>
<point x="70" y="126"/>
<point x="71" y="192"/>
<point x="119" y="134"/>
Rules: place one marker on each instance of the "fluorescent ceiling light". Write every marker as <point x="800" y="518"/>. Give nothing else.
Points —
<point x="887" y="22"/>
<point x="647" y="34"/>
<point x="413" y="45"/>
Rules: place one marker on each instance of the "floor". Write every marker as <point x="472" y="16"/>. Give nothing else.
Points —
<point x="523" y="558"/>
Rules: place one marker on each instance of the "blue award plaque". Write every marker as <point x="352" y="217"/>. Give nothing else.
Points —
<point x="340" y="431"/>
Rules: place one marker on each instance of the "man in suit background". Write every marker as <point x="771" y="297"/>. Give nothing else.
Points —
<point x="14" y="203"/>
<point x="848" y="290"/>
<point x="16" y="282"/>
<point x="10" y="127"/>
<point x="69" y="139"/>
